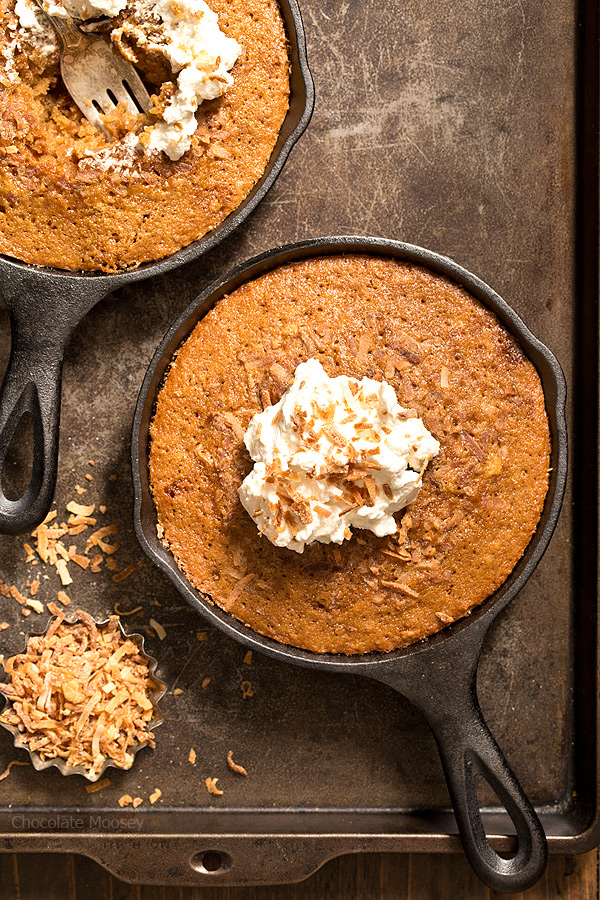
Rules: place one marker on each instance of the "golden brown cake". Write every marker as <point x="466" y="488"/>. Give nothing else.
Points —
<point x="448" y="358"/>
<point x="70" y="199"/>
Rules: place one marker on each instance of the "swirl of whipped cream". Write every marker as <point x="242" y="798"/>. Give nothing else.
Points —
<point x="332" y="454"/>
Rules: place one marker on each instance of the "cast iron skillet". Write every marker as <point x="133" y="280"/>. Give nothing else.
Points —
<point x="46" y="304"/>
<point x="438" y="675"/>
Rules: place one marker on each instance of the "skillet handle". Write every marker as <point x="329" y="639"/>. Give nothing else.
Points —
<point x="32" y="384"/>
<point x="44" y="310"/>
<point x="467" y="748"/>
<point x="446" y="694"/>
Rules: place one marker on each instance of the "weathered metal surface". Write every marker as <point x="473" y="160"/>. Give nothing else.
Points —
<point x="450" y="126"/>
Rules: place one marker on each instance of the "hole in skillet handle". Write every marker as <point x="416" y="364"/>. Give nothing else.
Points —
<point x="18" y="460"/>
<point x="31" y="391"/>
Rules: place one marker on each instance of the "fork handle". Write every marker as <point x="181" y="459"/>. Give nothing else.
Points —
<point x="71" y="36"/>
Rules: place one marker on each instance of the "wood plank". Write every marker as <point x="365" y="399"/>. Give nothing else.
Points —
<point x="91" y="880"/>
<point x="384" y="876"/>
<point x="47" y="875"/>
<point x="443" y="878"/>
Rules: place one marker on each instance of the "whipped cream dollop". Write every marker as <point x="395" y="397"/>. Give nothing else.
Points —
<point x="185" y="32"/>
<point x="199" y="54"/>
<point x="332" y="454"/>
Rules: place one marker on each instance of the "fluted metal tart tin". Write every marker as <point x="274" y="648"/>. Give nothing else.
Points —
<point x="158" y="691"/>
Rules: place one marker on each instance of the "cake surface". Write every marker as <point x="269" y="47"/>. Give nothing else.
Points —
<point x="448" y="358"/>
<point x="72" y="200"/>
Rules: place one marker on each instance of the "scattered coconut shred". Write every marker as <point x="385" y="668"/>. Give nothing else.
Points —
<point x="80" y="692"/>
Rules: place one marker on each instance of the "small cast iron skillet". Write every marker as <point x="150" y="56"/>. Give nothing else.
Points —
<point x="46" y="304"/>
<point x="438" y="675"/>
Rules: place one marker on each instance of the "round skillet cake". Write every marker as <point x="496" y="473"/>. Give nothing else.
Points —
<point x="450" y="363"/>
<point x="72" y="199"/>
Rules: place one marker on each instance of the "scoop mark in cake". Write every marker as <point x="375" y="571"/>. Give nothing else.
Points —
<point x="331" y="454"/>
<point x="185" y="34"/>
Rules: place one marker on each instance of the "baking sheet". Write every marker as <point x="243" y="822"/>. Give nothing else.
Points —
<point x="452" y="127"/>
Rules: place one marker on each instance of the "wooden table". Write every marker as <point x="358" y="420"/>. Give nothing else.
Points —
<point x="377" y="876"/>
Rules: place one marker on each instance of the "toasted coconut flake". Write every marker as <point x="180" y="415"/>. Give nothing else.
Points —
<point x="444" y="373"/>
<point x="4" y="626"/>
<point x="155" y="795"/>
<point x="126" y="612"/>
<point x="391" y="553"/>
<point x="371" y="486"/>
<point x="57" y="694"/>
<point x="444" y="617"/>
<point x="192" y="757"/>
<point x="97" y="786"/>
<point x="125" y="800"/>
<point x="63" y="572"/>
<point x="364" y="345"/>
<point x="79" y="509"/>
<point x="42" y="542"/>
<point x="127" y="571"/>
<point x="247" y="689"/>
<point x="248" y="658"/>
<point x="235" y="423"/>
<point x="14" y="762"/>
<point x="62" y="551"/>
<point x="158" y="628"/>
<point x="137" y="801"/>
<point x="81" y="520"/>
<point x="36" y="605"/>
<point x="474" y="446"/>
<point x="237" y="590"/>
<point x="95" y="538"/>
<point x="29" y="551"/>
<point x="177" y="692"/>
<point x="53" y="608"/>
<point x="34" y="587"/>
<point x="205" y="682"/>
<point x="76" y="529"/>
<point x="63" y="598"/>
<point x="403" y="588"/>
<point x="211" y="786"/>
<point x="234" y="766"/>
<point x="17" y="595"/>
<point x="201" y="635"/>
<point x="331" y="432"/>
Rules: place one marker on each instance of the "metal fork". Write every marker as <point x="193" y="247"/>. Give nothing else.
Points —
<point x="96" y="76"/>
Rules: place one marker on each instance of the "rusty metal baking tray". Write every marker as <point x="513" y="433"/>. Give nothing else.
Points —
<point x="470" y="129"/>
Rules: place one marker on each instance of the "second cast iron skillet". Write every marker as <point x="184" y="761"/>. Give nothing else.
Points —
<point x="46" y="305"/>
<point x="438" y="674"/>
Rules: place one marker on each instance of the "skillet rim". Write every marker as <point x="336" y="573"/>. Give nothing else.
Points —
<point x="553" y="385"/>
